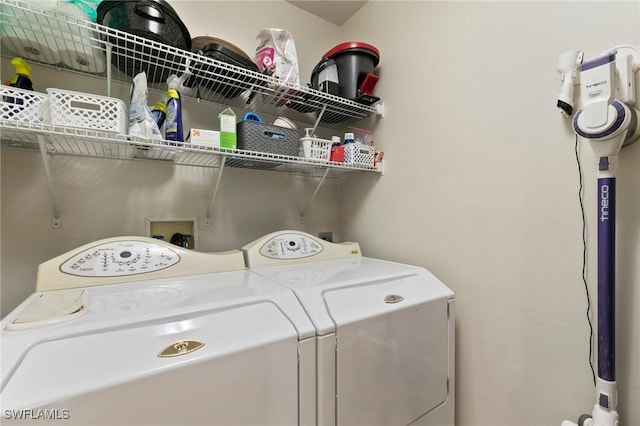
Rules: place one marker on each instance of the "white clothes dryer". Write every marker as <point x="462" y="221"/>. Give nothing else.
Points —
<point x="385" y="331"/>
<point x="133" y="331"/>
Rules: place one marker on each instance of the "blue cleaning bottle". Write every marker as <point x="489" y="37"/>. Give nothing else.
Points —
<point x="159" y="113"/>
<point x="173" y="121"/>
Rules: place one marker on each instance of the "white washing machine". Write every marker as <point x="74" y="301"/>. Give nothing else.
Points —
<point x="135" y="331"/>
<point x="385" y="331"/>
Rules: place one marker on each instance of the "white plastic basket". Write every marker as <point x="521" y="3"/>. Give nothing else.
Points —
<point x="357" y="153"/>
<point x="87" y="111"/>
<point x="23" y="105"/>
<point x="320" y="149"/>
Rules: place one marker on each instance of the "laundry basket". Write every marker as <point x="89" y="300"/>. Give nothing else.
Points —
<point x="358" y="153"/>
<point x="320" y="149"/>
<point x="22" y="105"/>
<point x="87" y="111"/>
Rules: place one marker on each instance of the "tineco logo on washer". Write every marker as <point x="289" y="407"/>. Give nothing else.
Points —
<point x="604" y="203"/>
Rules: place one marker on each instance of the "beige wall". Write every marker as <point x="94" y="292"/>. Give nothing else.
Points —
<point x="481" y="188"/>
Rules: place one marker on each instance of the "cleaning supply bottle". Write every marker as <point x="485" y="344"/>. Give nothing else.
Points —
<point x="306" y="142"/>
<point x="159" y="113"/>
<point x="22" y="79"/>
<point x="173" y="122"/>
<point x="228" y="129"/>
<point x="337" y="150"/>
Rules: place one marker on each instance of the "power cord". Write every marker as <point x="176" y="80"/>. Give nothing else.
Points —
<point x="584" y="263"/>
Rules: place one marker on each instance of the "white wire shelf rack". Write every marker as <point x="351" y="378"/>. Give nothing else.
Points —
<point x="65" y="42"/>
<point x="63" y="140"/>
<point x="53" y="140"/>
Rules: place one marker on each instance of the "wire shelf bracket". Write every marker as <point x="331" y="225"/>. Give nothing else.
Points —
<point x="207" y="221"/>
<point x="56" y="222"/>
<point x="306" y="209"/>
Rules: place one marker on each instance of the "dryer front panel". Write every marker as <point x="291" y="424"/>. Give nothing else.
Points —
<point x="392" y="351"/>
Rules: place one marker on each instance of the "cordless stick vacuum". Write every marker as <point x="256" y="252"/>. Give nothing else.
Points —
<point x="608" y="124"/>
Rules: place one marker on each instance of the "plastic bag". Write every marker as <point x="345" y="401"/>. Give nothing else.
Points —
<point x="276" y="55"/>
<point x="141" y="122"/>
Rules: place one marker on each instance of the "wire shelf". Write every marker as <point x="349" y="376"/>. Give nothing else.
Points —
<point x="63" y="41"/>
<point x="62" y="140"/>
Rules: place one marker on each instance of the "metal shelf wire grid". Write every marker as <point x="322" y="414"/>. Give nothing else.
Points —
<point x="62" y="140"/>
<point x="65" y="42"/>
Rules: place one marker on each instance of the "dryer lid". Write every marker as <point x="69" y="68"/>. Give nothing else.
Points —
<point x="314" y="280"/>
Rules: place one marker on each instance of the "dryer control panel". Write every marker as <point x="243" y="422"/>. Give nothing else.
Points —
<point x="287" y="247"/>
<point x="120" y="258"/>
<point x="290" y="246"/>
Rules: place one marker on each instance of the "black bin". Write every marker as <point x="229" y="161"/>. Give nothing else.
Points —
<point x="354" y="61"/>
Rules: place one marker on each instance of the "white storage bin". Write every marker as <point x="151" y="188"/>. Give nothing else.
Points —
<point x="87" y="111"/>
<point x="23" y="105"/>
<point x="320" y="149"/>
<point x="357" y="153"/>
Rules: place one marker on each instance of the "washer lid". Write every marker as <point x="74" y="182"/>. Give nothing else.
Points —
<point x="127" y="307"/>
<point x="120" y="360"/>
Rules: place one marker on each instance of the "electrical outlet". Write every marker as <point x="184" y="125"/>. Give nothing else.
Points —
<point x="327" y="236"/>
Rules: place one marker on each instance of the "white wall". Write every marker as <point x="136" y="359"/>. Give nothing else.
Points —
<point x="481" y="188"/>
<point x="100" y="198"/>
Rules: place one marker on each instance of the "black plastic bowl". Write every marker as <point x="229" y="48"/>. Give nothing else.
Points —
<point x="226" y="82"/>
<point x="153" y="20"/>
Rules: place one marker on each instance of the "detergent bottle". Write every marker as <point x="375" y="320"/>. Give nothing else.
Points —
<point x="159" y="113"/>
<point x="173" y="121"/>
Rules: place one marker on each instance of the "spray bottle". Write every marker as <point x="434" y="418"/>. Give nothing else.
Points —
<point x="22" y="79"/>
<point x="159" y="113"/>
<point x="173" y="122"/>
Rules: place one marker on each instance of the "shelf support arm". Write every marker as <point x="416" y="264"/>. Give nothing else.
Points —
<point x="108" y="48"/>
<point x="306" y="209"/>
<point x="317" y="123"/>
<point x="56" y="222"/>
<point x="207" y="221"/>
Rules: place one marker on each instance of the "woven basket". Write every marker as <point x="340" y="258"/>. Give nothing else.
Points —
<point x="261" y="137"/>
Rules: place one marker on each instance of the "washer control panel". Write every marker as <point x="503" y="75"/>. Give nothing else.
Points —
<point x="120" y="258"/>
<point x="290" y="246"/>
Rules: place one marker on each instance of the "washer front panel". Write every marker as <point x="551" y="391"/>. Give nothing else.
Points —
<point x="290" y="246"/>
<point x="120" y="259"/>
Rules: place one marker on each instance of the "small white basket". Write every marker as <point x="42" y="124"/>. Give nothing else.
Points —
<point x="358" y="153"/>
<point x="320" y="149"/>
<point x="23" y="105"/>
<point x="87" y="111"/>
